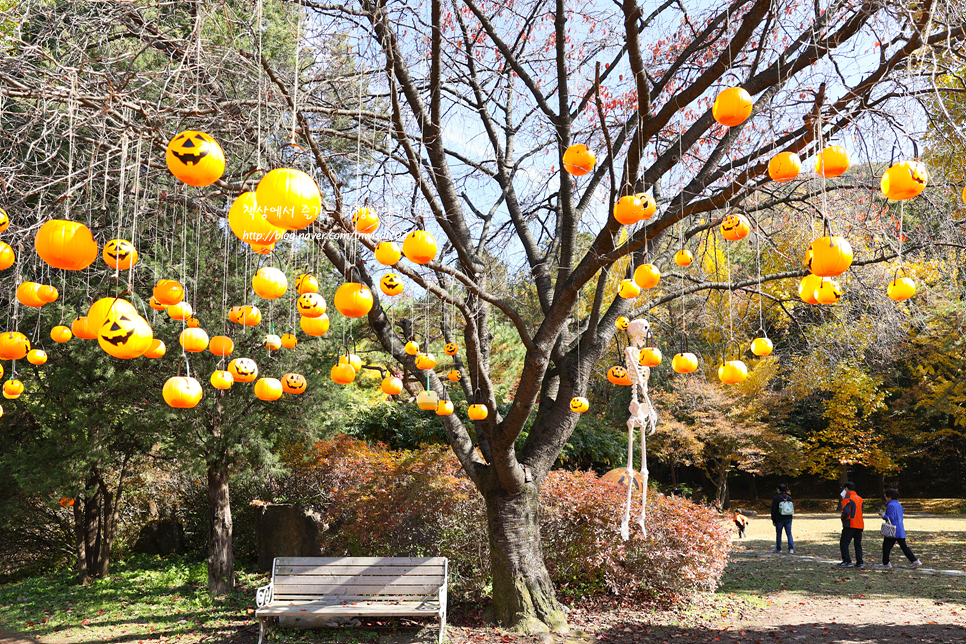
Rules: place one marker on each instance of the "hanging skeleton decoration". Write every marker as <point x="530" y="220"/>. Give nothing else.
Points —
<point x="642" y="415"/>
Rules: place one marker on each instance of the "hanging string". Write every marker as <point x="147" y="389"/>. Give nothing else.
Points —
<point x="295" y="87"/>
<point x="258" y="127"/>
<point x="761" y="316"/>
<point x="137" y="205"/>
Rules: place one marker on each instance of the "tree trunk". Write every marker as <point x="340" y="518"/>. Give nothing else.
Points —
<point x="92" y="532"/>
<point x="523" y="595"/>
<point x="843" y="473"/>
<point x="107" y="532"/>
<point x="674" y="475"/>
<point x="221" y="557"/>
<point x="80" y="540"/>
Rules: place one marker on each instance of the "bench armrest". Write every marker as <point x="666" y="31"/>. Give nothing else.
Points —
<point x="265" y="595"/>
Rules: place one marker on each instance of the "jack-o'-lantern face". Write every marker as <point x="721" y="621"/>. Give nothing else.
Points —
<point x="120" y="254"/>
<point x="622" y="323"/>
<point x="579" y="405"/>
<point x="195" y="158"/>
<point x="390" y="284"/>
<point x="617" y="375"/>
<point x="293" y="383"/>
<point x="450" y="349"/>
<point x="735" y="227"/>
<point x="243" y="369"/>
<point x="454" y="375"/>
<point x="4" y="220"/>
<point x="118" y="329"/>
<point x="310" y="305"/>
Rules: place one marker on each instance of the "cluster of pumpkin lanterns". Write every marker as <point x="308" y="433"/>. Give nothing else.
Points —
<point x="827" y="257"/>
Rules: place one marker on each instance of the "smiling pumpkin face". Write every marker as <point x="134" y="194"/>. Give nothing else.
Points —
<point x="450" y="349"/>
<point x="195" y="158"/>
<point x="390" y="284"/>
<point x="310" y="305"/>
<point x="124" y="334"/>
<point x="293" y="383"/>
<point x="120" y="254"/>
<point x="579" y="405"/>
<point x="735" y="227"/>
<point x="243" y="369"/>
<point x="4" y="220"/>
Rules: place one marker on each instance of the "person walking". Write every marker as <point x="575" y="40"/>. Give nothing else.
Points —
<point x="852" y="526"/>
<point x="894" y="514"/>
<point x="741" y="522"/>
<point x="782" y="511"/>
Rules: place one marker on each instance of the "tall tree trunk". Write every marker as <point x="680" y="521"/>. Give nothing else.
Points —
<point x="674" y="475"/>
<point x="843" y="473"/>
<point x="221" y="557"/>
<point x="753" y="487"/>
<point x="108" y="503"/>
<point x="92" y="533"/>
<point x="523" y="595"/>
<point x="80" y="541"/>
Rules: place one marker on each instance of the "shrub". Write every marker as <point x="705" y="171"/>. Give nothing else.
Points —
<point x="419" y="503"/>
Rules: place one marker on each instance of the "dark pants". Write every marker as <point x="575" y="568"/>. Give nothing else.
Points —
<point x="848" y="534"/>
<point x="787" y="527"/>
<point x="741" y="529"/>
<point x="887" y="544"/>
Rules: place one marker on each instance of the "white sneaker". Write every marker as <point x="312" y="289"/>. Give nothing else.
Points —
<point x="791" y="552"/>
<point x="915" y="564"/>
<point x="883" y="566"/>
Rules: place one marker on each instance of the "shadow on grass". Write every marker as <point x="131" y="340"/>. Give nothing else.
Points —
<point x="777" y="574"/>
<point x="826" y="633"/>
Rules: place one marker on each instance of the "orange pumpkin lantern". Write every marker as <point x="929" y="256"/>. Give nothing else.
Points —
<point x="156" y="349"/>
<point x="290" y="198"/>
<point x="99" y="310"/>
<point x="733" y="372"/>
<point x="66" y="244"/>
<point x="579" y="405"/>
<point x="904" y="180"/>
<point x="222" y="379"/>
<point x="193" y="322"/>
<point x="732" y="106"/>
<point x="784" y="166"/>
<point x="628" y="289"/>
<point x="622" y="322"/>
<point x="48" y="293"/>
<point x="195" y="159"/>
<point x="83" y="329"/>
<point x="684" y="363"/>
<point x="390" y="284"/>
<point x="832" y="162"/>
<point x="28" y="294"/>
<point x="650" y="205"/>
<point x="316" y="327"/>
<point x="243" y="369"/>
<point x="306" y="283"/>
<point x="478" y="412"/>
<point x="901" y="288"/>
<point x="249" y="315"/>
<point x="453" y="375"/>
<point x="807" y="288"/>
<point x="221" y="345"/>
<point x="829" y="256"/>
<point x="762" y="347"/>
<point x="735" y="227"/>
<point x="182" y="393"/>
<point x="180" y="311"/>
<point x="36" y="357"/>
<point x="120" y="254"/>
<point x="647" y="276"/>
<point x="7" y="256"/>
<point x="343" y="373"/>
<point x="124" y="335"/>
<point x="444" y="408"/>
<point x="419" y="247"/>
<point x="353" y="300"/>
<point x="617" y="375"/>
<point x="61" y="334"/>
<point x="450" y="349"/>
<point x="4" y="220"/>
<point x="311" y="305"/>
<point x="391" y="386"/>
<point x="828" y="291"/>
<point x="268" y="389"/>
<point x="294" y="383"/>
<point x="388" y="253"/>
<point x="628" y="210"/>
<point x="272" y="342"/>
<point x="157" y="306"/>
<point x="425" y="361"/>
<point x="250" y="223"/>
<point x="269" y="283"/>
<point x="365" y="221"/>
<point x="683" y="257"/>
<point x="578" y="160"/>
<point x="650" y="356"/>
<point x="13" y="345"/>
<point x="168" y="292"/>
<point x="352" y="360"/>
<point x="12" y="389"/>
<point x="193" y="340"/>
<point x="289" y="341"/>
<point x="412" y="347"/>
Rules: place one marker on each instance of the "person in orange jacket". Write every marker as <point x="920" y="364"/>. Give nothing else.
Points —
<point x="852" y="526"/>
<point x="741" y="523"/>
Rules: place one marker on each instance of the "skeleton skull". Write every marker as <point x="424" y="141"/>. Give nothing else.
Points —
<point x="638" y="330"/>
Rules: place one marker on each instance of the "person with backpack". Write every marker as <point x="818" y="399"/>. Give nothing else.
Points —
<point x="852" y="526"/>
<point x="893" y="516"/>
<point x="782" y="511"/>
<point x="741" y="522"/>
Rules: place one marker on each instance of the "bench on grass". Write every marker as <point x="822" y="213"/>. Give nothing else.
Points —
<point x="305" y="587"/>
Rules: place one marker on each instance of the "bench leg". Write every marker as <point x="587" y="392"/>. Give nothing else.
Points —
<point x="261" y="630"/>
<point x="442" y="626"/>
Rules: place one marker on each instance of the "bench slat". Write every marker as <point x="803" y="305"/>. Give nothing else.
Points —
<point x="338" y="569"/>
<point x="405" y="608"/>
<point x="356" y="589"/>
<point x="364" y="580"/>
<point x="358" y="561"/>
<point x="365" y="599"/>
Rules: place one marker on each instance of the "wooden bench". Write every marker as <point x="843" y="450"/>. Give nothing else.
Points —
<point x="353" y="587"/>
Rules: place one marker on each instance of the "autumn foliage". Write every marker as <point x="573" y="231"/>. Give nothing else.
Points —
<point x="381" y="502"/>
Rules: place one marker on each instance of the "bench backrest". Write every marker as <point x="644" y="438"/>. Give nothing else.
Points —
<point x="357" y="578"/>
